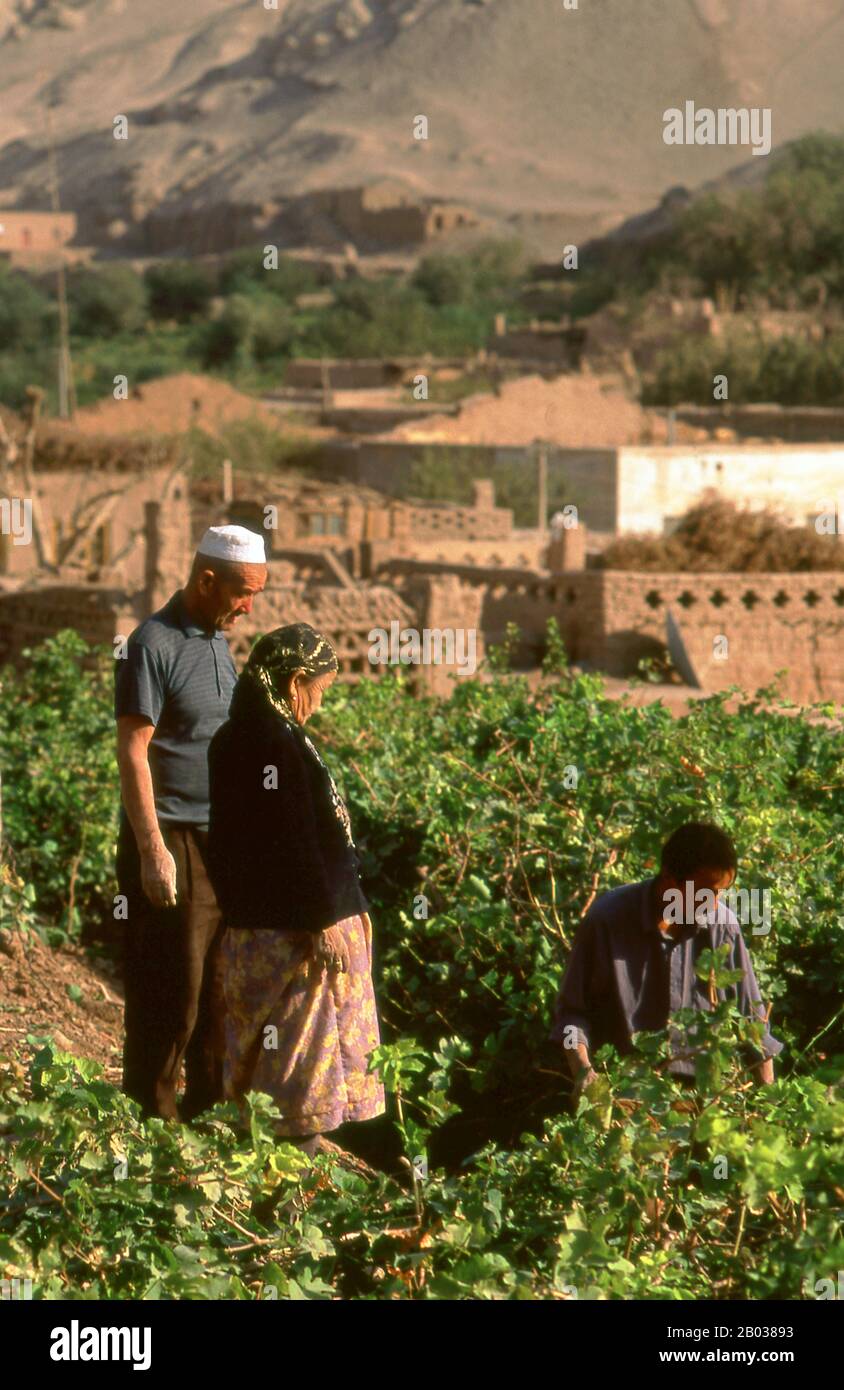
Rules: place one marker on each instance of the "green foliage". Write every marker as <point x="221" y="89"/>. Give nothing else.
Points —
<point x="169" y="320"/>
<point x="790" y="371"/>
<point x="19" y="370"/>
<point x="379" y="316"/>
<point x="57" y="758"/>
<point x="509" y="850"/>
<point x="777" y="241"/>
<point x="490" y="832"/>
<point x="17" y="901"/>
<point x="492" y="271"/>
<point x="179" y="290"/>
<point x="646" y="1193"/>
<point x="251" y="328"/>
<point x="730" y="1191"/>
<point x="256" y="445"/>
<point x="244" y="271"/>
<point x="446" y="473"/>
<point x="106" y="301"/>
<point x="445" y="280"/>
<point x="161" y="351"/>
<point x="439" y="474"/>
<point x="28" y="333"/>
<point x="782" y="239"/>
<point x="26" y="313"/>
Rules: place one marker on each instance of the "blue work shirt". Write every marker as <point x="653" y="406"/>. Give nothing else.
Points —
<point x="181" y="678"/>
<point x="625" y="975"/>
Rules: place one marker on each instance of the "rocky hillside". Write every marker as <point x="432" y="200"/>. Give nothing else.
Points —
<point x="537" y="112"/>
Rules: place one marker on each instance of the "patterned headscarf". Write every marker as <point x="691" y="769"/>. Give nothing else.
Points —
<point x="274" y="659"/>
<point x="266" y="678"/>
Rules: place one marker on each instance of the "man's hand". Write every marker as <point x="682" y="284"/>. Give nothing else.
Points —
<point x="158" y="875"/>
<point x="158" y="868"/>
<point x="331" y="950"/>
<point x="584" y="1079"/>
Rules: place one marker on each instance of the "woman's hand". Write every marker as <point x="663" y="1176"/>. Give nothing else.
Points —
<point x="331" y="950"/>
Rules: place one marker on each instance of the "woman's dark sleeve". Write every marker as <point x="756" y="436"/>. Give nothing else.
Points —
<point x="275" y="853"/>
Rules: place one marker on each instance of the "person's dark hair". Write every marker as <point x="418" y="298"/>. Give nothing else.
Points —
<point x="698" y="845"/>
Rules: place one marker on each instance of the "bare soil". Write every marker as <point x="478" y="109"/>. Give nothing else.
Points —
<point x="34" y="1001"/>
<point x="577" y="410"/>
<point x="171" y="405"/>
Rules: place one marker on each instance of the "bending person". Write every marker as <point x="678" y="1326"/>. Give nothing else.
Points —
<point x="297" y="951"/>
<point x="633" y="960"/>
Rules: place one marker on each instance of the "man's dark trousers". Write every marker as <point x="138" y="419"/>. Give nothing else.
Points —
<point x="172" y="981"/>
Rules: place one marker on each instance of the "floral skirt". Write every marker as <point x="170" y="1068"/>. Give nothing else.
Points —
<point x="299" y="1031"/>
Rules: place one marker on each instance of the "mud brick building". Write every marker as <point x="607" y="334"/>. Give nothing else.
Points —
<point x="375" y="215"/>
<point x="630" y="489"/>
<point x="728" y="629"/>
<point x="29" y="238"/>
<point x="350" y="559"/>
<point x="736" y="629"/>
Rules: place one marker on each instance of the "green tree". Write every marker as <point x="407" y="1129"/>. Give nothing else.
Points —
<point x="106" y="301"/>
<point x="180" y="290"/>
<point x="27" y="315"/>
<point x="244" y="271"/>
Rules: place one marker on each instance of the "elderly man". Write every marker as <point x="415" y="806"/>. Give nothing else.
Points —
<point x="632" y="963"/>
<point x="172" y="693"/>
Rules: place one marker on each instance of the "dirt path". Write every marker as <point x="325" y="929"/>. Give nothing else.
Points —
<point x="62" y="993"/>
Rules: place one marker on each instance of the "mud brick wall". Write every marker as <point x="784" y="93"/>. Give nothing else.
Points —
<point x="443" y="602"/>
<point x="770" y="621"/>
<point x="430" y="522"/>
<point x="344" y="616"/>
<point x="169" y="550"/>
<point x="522" y="550"/>
<point x="31" y="616"/>
<point x="801" y="424"/>
<point x="525" y="597"/>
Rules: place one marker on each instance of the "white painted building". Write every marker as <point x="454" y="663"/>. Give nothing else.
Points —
<point x="647" y="488"/>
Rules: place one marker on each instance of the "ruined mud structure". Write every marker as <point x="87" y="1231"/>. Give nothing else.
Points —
<point x="110" y="543"/>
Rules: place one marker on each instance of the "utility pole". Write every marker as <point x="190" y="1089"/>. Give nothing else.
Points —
<point x="325" y="383"/>
<point x="542" y="484"/>
<point x="67" y="389"/>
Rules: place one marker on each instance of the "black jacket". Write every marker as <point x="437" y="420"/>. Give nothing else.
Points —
<point x="277" y="857"/>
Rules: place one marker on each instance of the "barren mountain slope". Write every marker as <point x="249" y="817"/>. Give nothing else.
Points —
<point x="532" y="107"/>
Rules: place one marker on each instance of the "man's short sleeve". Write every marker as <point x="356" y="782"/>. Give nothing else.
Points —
<point x="574" y="1006"/>
<point x="138" y="683"/>
<point x="749" y="1001"/>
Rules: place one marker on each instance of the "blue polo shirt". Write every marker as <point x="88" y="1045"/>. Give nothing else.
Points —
<point x="181" y="678"/>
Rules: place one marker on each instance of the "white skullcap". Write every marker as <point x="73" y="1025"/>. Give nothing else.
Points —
<point x="235" y="543"/>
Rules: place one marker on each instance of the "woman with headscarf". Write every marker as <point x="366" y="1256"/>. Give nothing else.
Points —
<point x="297" y="952"/>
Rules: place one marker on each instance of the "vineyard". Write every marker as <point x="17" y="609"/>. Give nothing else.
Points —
<point x="481" y="851"/>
